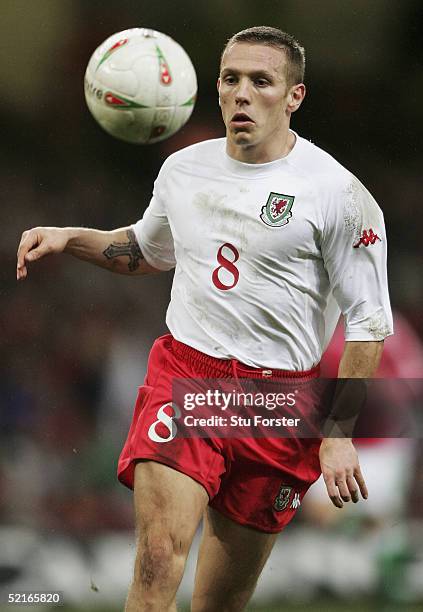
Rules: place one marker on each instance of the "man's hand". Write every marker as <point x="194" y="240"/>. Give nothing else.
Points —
<point x="37" y="242"/>
<point x="341" y="471"/>
<point x="338" y="457"/>
<point x="115" y="250"/>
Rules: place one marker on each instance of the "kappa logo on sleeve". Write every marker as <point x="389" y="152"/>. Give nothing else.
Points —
<point x="367" y="238"/>
<point x="277" y="210"/>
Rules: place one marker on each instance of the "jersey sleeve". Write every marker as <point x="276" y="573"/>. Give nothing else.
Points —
<point x="153" y="230"/>
<point x="354" y="251"/>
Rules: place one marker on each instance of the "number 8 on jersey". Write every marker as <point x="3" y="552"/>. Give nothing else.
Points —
<point x="227" y="265"/>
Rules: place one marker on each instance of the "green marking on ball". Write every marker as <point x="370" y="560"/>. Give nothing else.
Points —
<point x="120" y="102"/>
<point x="109" y="52"/>
<point x="191" y="101"/>
<point x="165" y="74"/>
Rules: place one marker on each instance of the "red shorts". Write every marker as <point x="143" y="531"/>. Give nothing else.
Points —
<point x="255" y="482"/>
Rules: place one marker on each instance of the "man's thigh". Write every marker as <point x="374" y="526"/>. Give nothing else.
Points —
<point x="230" y="561"/>
<point x="168" y="508"/>
<point x="167" y="500"/>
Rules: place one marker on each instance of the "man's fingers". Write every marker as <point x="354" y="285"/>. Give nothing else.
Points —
<point x="341" y="471"/>
<point x="21" y="273"/>
<point x="28" y="241"/>
<point x="343" y="489"/>
<point x="333" y="491"/>
<point x="361" y="483"/>
<point x="352" y="487"/>
<point x="24" y="245"/>
<point x="336" y="500"/>
<point x="22" y="250"/>
<point x="36" y="253"/>
<point x="32" y="247"/>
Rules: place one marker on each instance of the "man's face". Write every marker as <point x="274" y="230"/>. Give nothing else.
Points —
<point x="255" y="99"/>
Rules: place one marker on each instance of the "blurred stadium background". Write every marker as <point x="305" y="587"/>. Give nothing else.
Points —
<point x="74" y="339"/>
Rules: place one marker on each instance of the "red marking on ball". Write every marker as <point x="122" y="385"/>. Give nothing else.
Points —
<point x="112" y="100"/>
<point x="119" y="44"/>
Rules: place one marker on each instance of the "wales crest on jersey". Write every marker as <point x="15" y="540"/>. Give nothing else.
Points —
<point x="277" y="210"/>
<point x="282" y="498"/>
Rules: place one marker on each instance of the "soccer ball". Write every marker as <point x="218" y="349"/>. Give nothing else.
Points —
<point x="140" y="86"/>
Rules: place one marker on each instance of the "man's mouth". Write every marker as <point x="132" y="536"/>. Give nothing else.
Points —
<point x="241" y="120"/>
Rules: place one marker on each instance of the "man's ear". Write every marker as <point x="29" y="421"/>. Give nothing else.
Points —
<point x="295" y="97"/>
<point x="218" y="88"/>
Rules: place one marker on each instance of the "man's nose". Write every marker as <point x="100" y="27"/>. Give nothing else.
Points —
<point x="243" y="92"/>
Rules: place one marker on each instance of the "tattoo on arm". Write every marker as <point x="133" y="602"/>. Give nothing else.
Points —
<point x="130" y="249"/>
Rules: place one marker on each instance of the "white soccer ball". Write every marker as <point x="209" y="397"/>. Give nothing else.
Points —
<point x="140" y="86"/>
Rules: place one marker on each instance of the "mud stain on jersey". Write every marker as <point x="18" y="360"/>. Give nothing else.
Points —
<point x="353" y="217"/>
<point x="210" y="203"/>
<point x="234" y="222"/>
<point x="224" y="217"/>
<point x="378" y="326"/>
<point x="206" y="319"/>
<point x="360" y="210"/>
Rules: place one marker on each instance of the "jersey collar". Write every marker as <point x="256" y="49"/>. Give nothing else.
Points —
<point x="254" y="170"/>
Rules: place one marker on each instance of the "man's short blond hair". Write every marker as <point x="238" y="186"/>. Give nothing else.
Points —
<point x="266" y="35"/>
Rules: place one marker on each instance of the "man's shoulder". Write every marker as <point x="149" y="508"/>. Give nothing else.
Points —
<point x="319" y="165"/>
<point x="206" y="151"/>
<point x="335" y="184"/>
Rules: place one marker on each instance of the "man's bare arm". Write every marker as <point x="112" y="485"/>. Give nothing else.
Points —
<point x="338" y="457"/>
<point x="116" y="250"/>
<point x="360" y="359"/>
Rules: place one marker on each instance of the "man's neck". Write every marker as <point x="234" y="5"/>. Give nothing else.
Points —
<point x="262" y="152"/>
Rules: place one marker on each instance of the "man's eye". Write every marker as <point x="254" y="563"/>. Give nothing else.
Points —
<point x="262" y="82"/>
<point x="230" y="80"/>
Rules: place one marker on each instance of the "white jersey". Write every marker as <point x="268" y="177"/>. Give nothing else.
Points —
<point x="267" y="255"/>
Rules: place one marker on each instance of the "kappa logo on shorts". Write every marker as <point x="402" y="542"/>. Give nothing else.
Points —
<point x="277" y="210"/>
<point x="282" y="498"/>
<point x="296" y="502"/>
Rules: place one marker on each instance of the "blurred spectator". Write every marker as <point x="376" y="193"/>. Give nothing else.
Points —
<point x="386" y="464"/>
